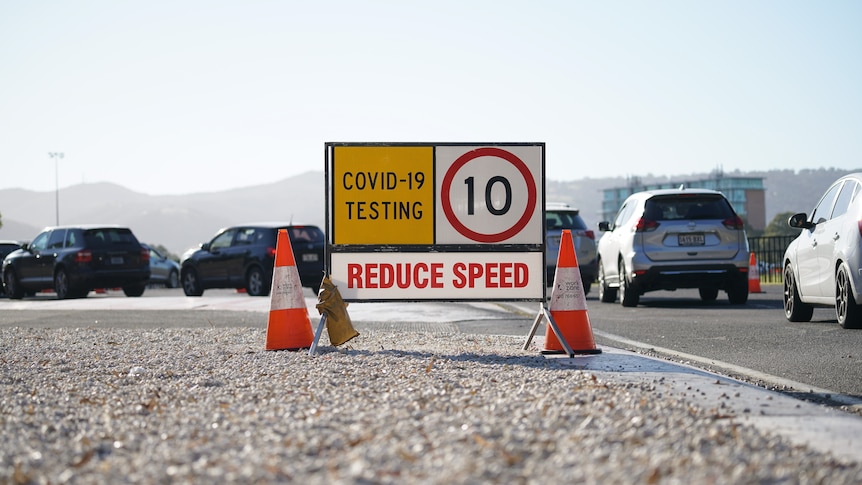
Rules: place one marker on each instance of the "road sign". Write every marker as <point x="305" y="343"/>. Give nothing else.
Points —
<point x="490" y="195"/>
<point x="436" y="221"/>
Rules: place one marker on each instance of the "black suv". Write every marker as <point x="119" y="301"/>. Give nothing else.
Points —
<point x="243" y="257"/>
<point x="72" y="260"/>
<point x="7" y="247"/>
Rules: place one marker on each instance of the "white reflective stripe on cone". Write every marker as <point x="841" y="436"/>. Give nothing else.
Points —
<point x="286" y="289"/>
<point x="568" y="290"/>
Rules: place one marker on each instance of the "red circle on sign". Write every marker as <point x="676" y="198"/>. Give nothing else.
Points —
<point x="447" y="203"/>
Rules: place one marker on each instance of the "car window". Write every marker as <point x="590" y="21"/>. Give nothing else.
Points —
<point x="824" y="207"/>
<point x="624" y="213"/>
<point x="56" y="239"/>
<point x="246" y="235"/>
<point x="847" y="194"/>
<point x="687" y="208"/>
<point x="564" y="220"/>
<point x="40" y="242"/>
<point x="109" y="236"/>
<point x="305" y="234"/>
<point x="223" y="240"/>
<point x="72" y="238"/>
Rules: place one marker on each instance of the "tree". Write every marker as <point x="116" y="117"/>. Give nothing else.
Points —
<point x="778" y="226"/>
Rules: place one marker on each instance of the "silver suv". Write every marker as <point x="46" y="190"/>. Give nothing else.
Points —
<point x="673" y="238"/>
<point x="559" y="216"/>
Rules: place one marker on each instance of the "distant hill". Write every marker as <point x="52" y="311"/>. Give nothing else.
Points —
<point x="179" y="222"/>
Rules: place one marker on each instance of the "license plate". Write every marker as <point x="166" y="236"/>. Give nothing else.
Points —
<point x="691" y="240"/>
<point x="309" y="257"/>
<point x="116" y="260"/>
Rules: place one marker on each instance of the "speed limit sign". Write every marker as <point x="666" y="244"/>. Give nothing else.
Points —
<point x="489" y="194"/>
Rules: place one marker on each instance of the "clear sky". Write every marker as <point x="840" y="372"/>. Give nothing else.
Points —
<point x="171" y="97"/>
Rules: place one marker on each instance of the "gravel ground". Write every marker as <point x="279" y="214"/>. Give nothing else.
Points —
<point x="210" y="405"/>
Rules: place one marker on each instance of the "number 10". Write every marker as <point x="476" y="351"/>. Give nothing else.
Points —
<point x="488" y="202"/>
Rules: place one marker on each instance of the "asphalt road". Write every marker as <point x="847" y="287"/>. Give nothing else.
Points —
<point x="753" y="342"/>
<point x="753" y="339"/>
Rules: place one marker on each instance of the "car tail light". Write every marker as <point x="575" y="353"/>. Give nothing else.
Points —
<point x="734" y="222"/>
<point x="590" y="234"/>
<point x="270" y="252"/>
<point x="645" y="225"/>
<point x="84" y="257"/>
<point x="859" y="225"/>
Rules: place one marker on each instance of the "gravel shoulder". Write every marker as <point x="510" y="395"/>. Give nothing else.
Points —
<point x="422" y="405"/>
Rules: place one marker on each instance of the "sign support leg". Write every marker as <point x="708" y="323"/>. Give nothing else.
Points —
<point x="317" y="334"/>
<point x="545" y="315"/>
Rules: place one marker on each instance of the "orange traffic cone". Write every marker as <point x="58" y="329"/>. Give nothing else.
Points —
<point x="753" y="275"/>
<point x="568" y="306"/>
<point x="289" y="327"/>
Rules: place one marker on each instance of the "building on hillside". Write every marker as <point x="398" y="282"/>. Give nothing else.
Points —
<point x="746" y="194"/>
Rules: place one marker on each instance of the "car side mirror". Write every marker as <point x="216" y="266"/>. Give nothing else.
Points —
<point x="604" y="226"/>
<point x="800" y="221"/>
<point x="205" y="246"/>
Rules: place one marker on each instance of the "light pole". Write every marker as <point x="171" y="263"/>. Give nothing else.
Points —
<point x="56" y="156"/>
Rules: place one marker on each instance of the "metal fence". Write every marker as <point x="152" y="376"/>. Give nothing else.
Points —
<point x="769" y="252"/>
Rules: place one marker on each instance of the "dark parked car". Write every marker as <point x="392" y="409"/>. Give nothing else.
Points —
<point x="72" y="260"/>
<point x="243" y="257"/>
<point x="559" y="216"/>
<point x="163" y="270"/>
<point x="7" y="247"/>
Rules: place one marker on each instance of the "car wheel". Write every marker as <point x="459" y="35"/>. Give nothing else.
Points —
<point x="135" y="290"/>
<point x="191" y="285"/>
<point x="13" y="288"/>
<point x="63" y="288"/>
<point x="794" y="309"/>
<point x="708" y="295"/>
<point x="255" y="283"/>
<point x="606" y="293"/>
<point x="629" y="296"/>
<point x="848" y="312"/>
<point x="737" y="292"/>
<point x="173" y="280"/>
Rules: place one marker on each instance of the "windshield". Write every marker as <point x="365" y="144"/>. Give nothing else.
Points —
<point x="697" y="207"/>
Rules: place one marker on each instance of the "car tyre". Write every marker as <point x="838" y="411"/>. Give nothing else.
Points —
<point x="708" y="295"/>
<point x="606" y="293"/>
<point x="13" y="287"/>
<point x="135" y="290"/>
<point x="848" y="312"/>
<point x="191" y="285"/>
<point x="173" y="280"/>
<point x="63" y="288"/>
<point x="629" y="296"/>
<point x="794" y="309"/>
<point x="255" y="282"/>
<point x="737" y="292"/>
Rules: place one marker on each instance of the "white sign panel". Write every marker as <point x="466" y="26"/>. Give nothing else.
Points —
<point x="439" y="276"/>
<point x="489" y="194"/>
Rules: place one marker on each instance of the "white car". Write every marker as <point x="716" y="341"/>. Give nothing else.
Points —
<point x="673" y="238"/>
<point x="822" y="265"/>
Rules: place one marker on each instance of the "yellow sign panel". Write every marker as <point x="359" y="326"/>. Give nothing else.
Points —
<point x="383" y="194"/>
